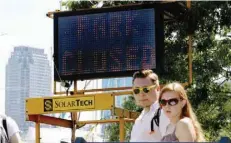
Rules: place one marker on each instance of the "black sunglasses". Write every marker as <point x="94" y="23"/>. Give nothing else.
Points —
<point x="137" y="90"/>
<point x="170" y="102"/>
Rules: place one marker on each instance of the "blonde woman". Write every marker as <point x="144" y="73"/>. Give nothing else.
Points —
<point x="174" y="101"/>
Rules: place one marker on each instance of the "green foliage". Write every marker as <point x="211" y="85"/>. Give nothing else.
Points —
<point x="82" y="4"/>
<point x="112" y="132"/>
<point x="210" y="98"/>
<point x="130" y="104"/>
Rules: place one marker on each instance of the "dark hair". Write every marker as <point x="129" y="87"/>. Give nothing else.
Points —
<point x="146" y="73"/>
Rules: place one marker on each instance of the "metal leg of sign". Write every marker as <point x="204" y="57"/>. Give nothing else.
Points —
<point x="37" y="132"/>
<point x="122" y="133"/>
<point x="74" y="116"/>
<point x="73" y="128"/>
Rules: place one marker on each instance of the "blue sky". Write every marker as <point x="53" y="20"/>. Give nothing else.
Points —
<point x="24" y="22"/>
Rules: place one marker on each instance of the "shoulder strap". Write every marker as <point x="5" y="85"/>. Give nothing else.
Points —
<point x="155" y="119"/>
<point x="5" y="126"/>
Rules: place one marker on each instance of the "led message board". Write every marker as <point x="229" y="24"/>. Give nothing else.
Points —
<point x="111" y="42"/>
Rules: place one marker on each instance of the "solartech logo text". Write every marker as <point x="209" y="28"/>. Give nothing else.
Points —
<point x="64" y="104"/>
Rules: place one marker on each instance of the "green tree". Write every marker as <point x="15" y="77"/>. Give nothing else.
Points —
<point x="210" y="97"/>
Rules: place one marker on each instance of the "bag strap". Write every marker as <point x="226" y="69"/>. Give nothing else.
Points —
<point x="155" y="119"/>
<point x="5" y="126"/>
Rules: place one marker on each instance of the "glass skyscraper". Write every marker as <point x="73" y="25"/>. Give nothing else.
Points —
<point x="28" y="74"/>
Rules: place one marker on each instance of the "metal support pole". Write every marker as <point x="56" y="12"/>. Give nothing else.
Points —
<point x="75" y="87"/>
<point x="190" y="49"/>
<point x="122" y="133"/>
<point x="74" y="116"/>
<point x="190" y="59"/>
<point x="37" y="132"/>
<point x="73" y="127"/>
<point x="54" y="87"/>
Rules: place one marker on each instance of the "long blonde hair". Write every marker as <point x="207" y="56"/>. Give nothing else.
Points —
<point x="187" y="109"/>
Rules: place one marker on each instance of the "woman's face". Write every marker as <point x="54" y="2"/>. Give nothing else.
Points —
<point x="172" y="104"/>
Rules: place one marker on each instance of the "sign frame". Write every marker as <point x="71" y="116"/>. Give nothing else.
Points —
<point x="159" y="41"/>
<point x="45" y="105"/>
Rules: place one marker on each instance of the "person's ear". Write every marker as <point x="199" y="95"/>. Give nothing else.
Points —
<point x="183" y="103"/>
<point x="158" y="88"/>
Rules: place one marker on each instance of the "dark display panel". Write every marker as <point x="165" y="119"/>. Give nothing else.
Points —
<point x="105" y="44"/>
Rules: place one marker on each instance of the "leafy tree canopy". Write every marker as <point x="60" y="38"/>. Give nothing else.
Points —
<point x="209" y="94"/>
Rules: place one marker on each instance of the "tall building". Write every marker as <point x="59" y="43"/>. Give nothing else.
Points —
<point x="28" y="74"/>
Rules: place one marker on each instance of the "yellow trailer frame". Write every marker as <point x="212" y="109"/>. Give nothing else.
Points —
<point x="35" y="106"/>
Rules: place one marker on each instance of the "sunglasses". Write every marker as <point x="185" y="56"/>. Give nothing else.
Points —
<point x="170" y="102"/>
<point x="137" y="90"/>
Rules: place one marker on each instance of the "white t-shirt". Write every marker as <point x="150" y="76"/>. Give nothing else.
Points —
<point x="12" y="126"/>
<point x="142" y="127"/>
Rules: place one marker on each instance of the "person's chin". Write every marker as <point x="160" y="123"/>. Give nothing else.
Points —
<point x="144" y="105"/>
<point x="141" y="105"/>
<point x="168" y="114"/>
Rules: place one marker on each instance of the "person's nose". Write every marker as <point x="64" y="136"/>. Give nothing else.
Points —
<point x="167" y="106"/>
<point x="142" y="94"/>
